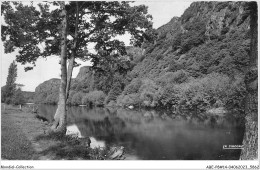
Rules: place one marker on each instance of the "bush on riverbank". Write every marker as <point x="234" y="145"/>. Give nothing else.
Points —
<point x="52" y="98"/>
<point x="113" y="93"/>
<point x="187" y="94"/>
<point x="214" y="90"/>
<point x="149" y="93"/>
<point x="77" y="99"/>
<point x="18" y="97"/>
<point x="127" y="100"/>
<point x="94" y="98"/>
<point x="176" y="77"/>
<point x="140" y="93"/>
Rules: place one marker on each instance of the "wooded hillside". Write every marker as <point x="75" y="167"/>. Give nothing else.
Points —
<point x="197" y="62"/>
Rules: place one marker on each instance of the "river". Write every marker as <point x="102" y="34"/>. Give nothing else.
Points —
<point x="156" y="135"/>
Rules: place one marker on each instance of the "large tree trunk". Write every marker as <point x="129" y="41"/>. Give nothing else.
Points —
<point x="74" y="49"/>
<point x="70" y="70"/>
<point x="59" y="124"/>
<point x="250" y="141"/>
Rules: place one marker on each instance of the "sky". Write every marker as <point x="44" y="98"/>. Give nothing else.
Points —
<point x="45" y="69"/>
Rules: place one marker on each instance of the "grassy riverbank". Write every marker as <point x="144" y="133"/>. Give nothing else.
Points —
<point x="15" y="144"/>
<point x="24" y="137"/>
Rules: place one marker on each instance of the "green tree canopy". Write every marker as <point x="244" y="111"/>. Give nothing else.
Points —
<point x="29" y="29"/>
<point x="18" y="97"/>
<point x="10" y="87"/>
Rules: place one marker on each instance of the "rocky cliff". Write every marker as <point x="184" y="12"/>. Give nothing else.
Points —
<point x="84" y="72"/>
<point x="204" y="39"/>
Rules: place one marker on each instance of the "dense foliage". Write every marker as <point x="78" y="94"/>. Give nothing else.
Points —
<point x="94" y="98"/>
<point x="197" y="62"/>
<point x="8" y="91"/>
<point x="214" y="90"/>
<point x="47" y="92"/>
<point x="18" y="97"/>
<point x="28" y="96"/>
<point x="11" y="93"/>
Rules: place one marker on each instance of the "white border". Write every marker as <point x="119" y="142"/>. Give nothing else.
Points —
<point x="151" y="164"/>
<point x="114" y="165"/>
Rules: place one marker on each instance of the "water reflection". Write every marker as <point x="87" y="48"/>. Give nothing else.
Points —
<point x="74" y="130"/>
<point x="97" y="143"/>
<point x="94" y="143"/>
<point x="156" y="135"/>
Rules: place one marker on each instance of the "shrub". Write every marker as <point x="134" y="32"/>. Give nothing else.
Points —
<point x="133" y="87"/>
<point x="52" y="98"/>
<point x="214" y="90"/>
<point x="201" y="94"/>
<point x="112" y="103"/>
<point x="139" y="59"/>
<point x="3" y="89"/>
<point x="178" y="77"/>
<point x="77" y="98"/>
<point x="144" y="93"/>
<point x="149" y="93"/>
<point x="195" y="35"/>
<point x="224" y="30"/>
<point x="170" y="96"/>
<point x="18" y="98"/>
<point x="113" y="93"/>
<point x="235" y="95"/>
<point x="127" y="100"/>
<point x="191" y="41"/>
<point x="174" y="66"/>
<point x="86" y="100"/>
<point x="176" y="42"/>
<point x="39" y="97"/>
<point x="95" y="98"/>
<point x="159" y="57"/>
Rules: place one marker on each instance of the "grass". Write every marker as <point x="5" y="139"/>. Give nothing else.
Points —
<point x="71" y="148"/>
<point x="24" y="137"/>
<point x="14" y="144"/>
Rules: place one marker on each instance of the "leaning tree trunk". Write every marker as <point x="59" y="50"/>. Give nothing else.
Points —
<point x="250" y="141"/>
<point x="59" y="124"/>
<point x="74" y="49"/>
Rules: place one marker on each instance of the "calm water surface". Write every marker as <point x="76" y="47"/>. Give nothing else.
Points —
<point x="153" y="135"/>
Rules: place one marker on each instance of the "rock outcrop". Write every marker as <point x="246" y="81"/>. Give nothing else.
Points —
<point x="84" y="73"/>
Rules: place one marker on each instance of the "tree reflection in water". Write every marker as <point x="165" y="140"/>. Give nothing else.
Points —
<point x="149" y="134"/>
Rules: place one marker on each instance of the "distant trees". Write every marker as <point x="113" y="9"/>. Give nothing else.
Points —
<point x="11" y="92"/>
<point x="9" y="89"/>
<point x="18" y="98"/>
